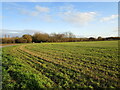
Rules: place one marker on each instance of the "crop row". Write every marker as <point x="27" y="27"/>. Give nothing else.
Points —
<point x="61" y="65"/>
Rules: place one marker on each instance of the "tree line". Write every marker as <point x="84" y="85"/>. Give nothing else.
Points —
<point x="54" y="37"/>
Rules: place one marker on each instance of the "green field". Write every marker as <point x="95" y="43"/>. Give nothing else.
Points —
<point x="61" y="65"/>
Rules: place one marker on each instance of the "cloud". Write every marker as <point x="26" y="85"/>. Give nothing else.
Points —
<point x="73" y="16"/>
<point x="41" y="12"/>
<point x="78" y="18"/>
<point x="31" y="13"/>
<point x="14" y="33"/>
<point x="42" y="9"/>
<point x="105" y="19"/>
<point x="38" y="10"/>
<point x="22" y="9"/>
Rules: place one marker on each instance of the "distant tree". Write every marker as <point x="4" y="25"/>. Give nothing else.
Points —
<point x="8" y="40"/>
<point x="112" y="38"/>
<point x="99" y="38"/>
<point x="21" y="40"/>
<point x="57" y="37"/>
<point x="69" y="35"/>
<point x="40" y="37"/>
<point x="4" y="40"/>
<point x="28" y="38"/>
<point x="91" y="38"/>
<point x="0" y="40"/>
<point x="11" y="40"/>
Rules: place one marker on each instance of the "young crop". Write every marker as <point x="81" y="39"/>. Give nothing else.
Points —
<point x="61" y="66"/>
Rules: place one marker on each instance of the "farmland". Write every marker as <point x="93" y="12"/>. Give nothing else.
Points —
<point x="61" y="65"/>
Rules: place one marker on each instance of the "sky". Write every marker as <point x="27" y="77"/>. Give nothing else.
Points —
<point x="84" y="19"/>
